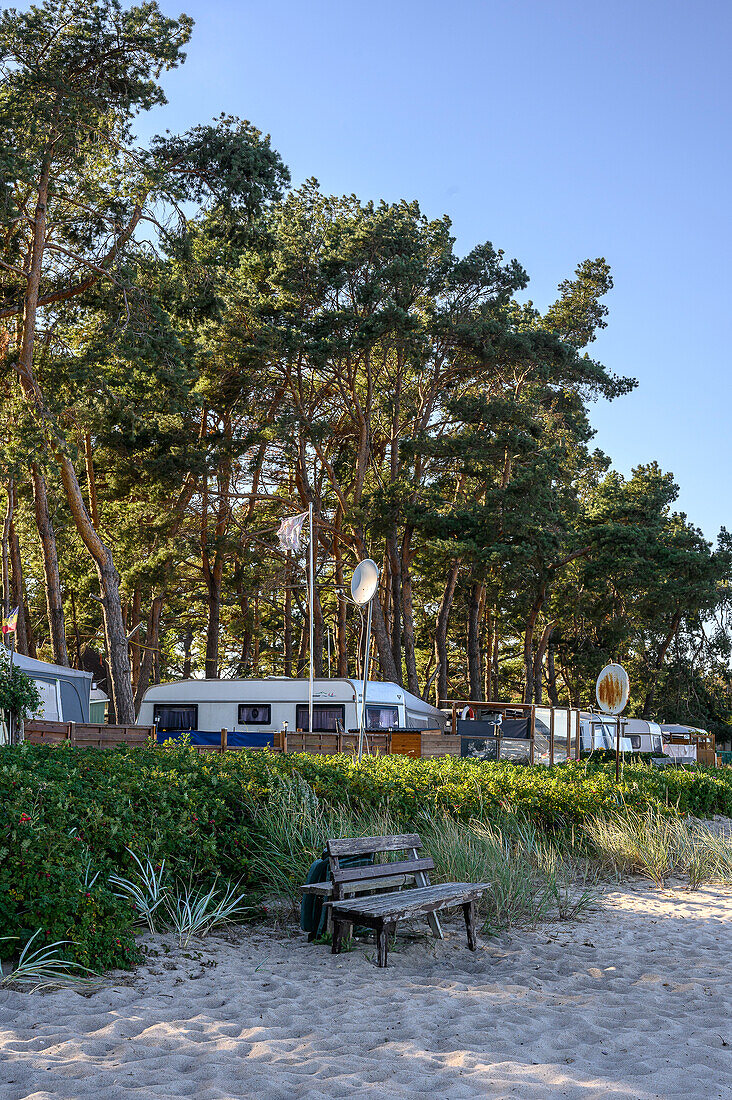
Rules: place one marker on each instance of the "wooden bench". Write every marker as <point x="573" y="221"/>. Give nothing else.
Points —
<point x="382" y="911"/>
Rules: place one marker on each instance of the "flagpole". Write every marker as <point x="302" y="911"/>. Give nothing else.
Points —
<point x="312" y="621"/>
<point x="13" y="719"/>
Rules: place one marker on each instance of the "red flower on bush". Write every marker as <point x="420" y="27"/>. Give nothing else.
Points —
<point x="24" y="819"/>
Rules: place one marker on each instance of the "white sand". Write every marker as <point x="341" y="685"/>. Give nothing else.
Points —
<point x="634" y="1001"/>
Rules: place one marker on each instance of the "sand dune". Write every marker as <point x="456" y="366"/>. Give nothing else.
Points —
<point x="634" y="1001"/>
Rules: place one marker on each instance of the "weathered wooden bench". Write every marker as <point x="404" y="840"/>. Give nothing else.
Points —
<point x="382" y="911"/>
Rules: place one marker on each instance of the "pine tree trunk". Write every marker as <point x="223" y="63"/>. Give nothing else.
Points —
<point x="475" y="656"/>
<point x="24" y="636"/>
<point x="317" y="634"/>
<point x="288" y="616"/>
<point x="303" y="647"/>
<point x="538" y="681"/>
<point x="213" y="622"/>
<point x="529" y="646"/>
<point x="256" y="638"/>
<point x="187" y="645"/>
<point x="410" y="656"/>
<point x="75" y="624"/>
<point x="109" y="583"/>
<point x="134" y="632"/>
<point x="388" y="669"/>
<point x="7" y="520"/>
<point x="396" y="602"/>
<point x="341" y="605"/>
<point x="551" y="682"/>
<point x="488" y="664"/>
<point x="51" y="577"/>
<point x="32" y="394"/>
<point x="152" y="638"/>
<point x="443" y="618"/>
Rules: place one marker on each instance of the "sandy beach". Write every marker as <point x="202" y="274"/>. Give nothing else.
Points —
<point x="632" y="1001"/>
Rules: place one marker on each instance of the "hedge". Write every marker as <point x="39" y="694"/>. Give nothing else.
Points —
<point x="68" y="815"/>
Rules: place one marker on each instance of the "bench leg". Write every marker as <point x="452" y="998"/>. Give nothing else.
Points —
<point x="382" y="944"/>
<point x="469" y="914"/>
<point x="337" y="936"/>
<point x="435" y="926"/>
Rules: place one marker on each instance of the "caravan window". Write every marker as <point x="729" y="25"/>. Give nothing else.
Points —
<point x="382" y="718"/>
<point x="166" y="716"/>
<point x="254" y="714"/>
<point x="327" y="717"/>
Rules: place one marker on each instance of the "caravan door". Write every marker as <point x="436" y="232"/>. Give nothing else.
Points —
<point x="50" y="700"/>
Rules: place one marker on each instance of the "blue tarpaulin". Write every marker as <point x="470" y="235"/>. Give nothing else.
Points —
<point x="235" y="739"/>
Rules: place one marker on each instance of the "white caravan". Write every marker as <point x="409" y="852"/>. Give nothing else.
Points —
<point x="644" y="736"/>
<point x="599" y="731"/>
<point x="252" y="710"/>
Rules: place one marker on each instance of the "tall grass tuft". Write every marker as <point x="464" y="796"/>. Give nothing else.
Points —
<point x="195" y="912"/>
<point x="291" y="828"/>
<point x="657" y="845"/>
<point x="530" y="879"/>
<point x="479" y="852"/>
<point x="44" y="968"/>
<point x="146" y="892"/>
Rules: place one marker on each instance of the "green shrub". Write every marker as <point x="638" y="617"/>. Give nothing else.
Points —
<point x="68" y="816"/>
<point x="19" y="693"/>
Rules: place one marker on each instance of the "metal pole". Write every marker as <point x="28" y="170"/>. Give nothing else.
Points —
<point x="312" y="621"/>
<point x="617" y="753"/>
<point x="14" y="735"/>
<point x="367" y="650"/>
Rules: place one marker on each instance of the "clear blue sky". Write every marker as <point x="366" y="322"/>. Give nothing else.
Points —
<point x="558" y="130"/>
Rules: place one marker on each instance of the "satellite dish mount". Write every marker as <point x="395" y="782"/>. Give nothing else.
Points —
<point x="364" y="584"/>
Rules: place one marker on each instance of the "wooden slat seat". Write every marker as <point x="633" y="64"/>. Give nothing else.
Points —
<point x="382" y="910"/>
<point x="407" y="903"/>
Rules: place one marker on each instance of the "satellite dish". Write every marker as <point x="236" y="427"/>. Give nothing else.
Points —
<point x="364" y="582"/>
<point x="612" y="689"/>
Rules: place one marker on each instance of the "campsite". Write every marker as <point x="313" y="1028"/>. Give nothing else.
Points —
<point x="365" y="552"/>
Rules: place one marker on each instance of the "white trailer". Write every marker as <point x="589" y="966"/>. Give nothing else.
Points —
<point x="644" y="736"/>
<point x="252" y="710"/>
<point x="599" y="731"/>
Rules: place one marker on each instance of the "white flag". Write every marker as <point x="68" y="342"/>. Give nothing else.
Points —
<point x="290" y="531"/>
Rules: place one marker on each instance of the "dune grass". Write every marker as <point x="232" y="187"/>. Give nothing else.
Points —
<point x="532" y="879"/>
<point x="657" y="846"/>
<point x="42" y="967"/>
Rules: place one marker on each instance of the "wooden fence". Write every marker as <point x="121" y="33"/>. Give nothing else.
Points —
<point x="331" y="743"/>
<point x="415" y="743"/>
<point x="86" y="735"/>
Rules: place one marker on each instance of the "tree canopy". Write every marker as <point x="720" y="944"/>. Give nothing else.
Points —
<point x="190" y="351"/>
